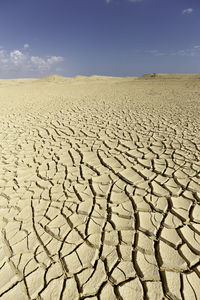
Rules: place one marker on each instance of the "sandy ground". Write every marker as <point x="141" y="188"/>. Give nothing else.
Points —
<point x="100" y="188"/>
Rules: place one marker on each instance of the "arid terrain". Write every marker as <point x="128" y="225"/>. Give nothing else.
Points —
<point x="100" y="188"/>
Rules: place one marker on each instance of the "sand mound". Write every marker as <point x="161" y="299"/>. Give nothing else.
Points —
<point x="52" y="78"/>
<point x="169" y="76"/>
<point x="100" y="77"/>
<point x="80" y="77"/>
<point x="95" y="77"/>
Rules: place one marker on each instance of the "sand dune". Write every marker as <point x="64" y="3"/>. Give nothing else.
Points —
<point x="100" y="188"/>
<point x="170" y="76"/>
<point x="53" y="77"/>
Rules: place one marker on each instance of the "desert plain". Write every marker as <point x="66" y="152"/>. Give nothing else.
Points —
<point x="100" y="188"/>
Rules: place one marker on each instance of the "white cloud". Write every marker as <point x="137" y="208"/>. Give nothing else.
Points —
<point x="108" y="1"/>
<point x="39" y="63"/>
<point x="17" y="57"/>
<point x="26" y="46"/>
<point x="2" y="53"/>
<point x="54" y="59"/>
<point x="45" y="64"/>
<point x="187" y="11"/>
<point x="19" y="63"/>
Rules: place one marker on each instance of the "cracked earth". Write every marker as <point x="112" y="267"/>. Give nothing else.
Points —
<point x="100" y="189"/>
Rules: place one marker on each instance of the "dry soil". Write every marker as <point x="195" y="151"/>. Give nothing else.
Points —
<point x="100" y="188"/>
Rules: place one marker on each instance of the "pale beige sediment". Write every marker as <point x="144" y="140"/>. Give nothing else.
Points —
<point x="100" y="188"/>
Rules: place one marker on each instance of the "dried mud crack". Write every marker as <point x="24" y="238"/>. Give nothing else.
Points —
<point x="100" y="189"/>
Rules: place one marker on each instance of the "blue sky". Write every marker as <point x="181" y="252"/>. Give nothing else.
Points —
<point x="102" y="37"/>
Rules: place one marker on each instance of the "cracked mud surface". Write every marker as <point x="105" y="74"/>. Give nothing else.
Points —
<point x="100" y="189"/>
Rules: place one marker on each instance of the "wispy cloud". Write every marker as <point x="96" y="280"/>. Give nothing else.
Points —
<point x="187" y="11"/>
<point x="20" y="63"/>
<point x="155" y="52"/>
<point x="192" y="52"/>
<point x="133" y="1"/>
